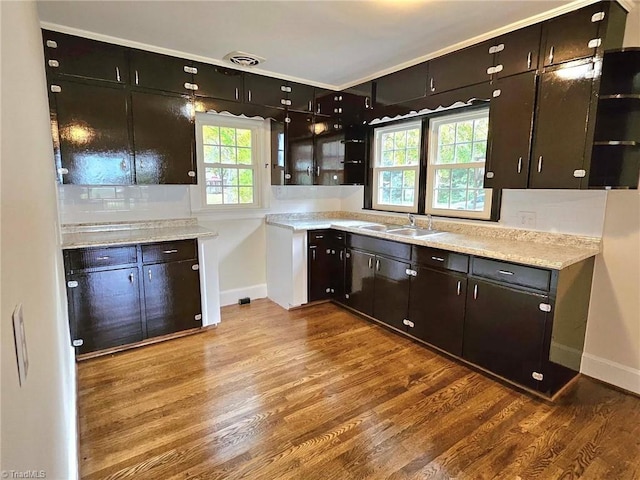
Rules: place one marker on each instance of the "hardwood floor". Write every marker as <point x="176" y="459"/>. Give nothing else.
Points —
<point x="319" y="393"/>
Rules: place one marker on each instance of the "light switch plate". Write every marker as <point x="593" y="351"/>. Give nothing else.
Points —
<point x="21" y="344"/>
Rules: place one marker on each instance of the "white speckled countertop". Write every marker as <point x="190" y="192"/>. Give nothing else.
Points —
<point x="549" y="250"/>
<point x="119" y="233"/>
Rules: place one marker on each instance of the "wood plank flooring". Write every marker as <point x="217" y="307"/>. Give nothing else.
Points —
<point x="319" y="393"/>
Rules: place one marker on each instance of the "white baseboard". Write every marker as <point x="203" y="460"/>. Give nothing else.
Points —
<point x="611" y="372"/>
<point x="230" y="297"/>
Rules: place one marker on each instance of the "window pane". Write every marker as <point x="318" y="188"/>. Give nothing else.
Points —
<point x="413" y="138"/>
<point x="441" y="198"/>
<point x="409" y="179"/>
<point x="479" y="151"/>
<point x="480" y="128"/>
<point x="246" y="194"/>
<point x="244" y="156"/>
<point x="228" y="155"/>
<point x="384" y="196"/>
<point x="446" y="154"/>
<point x="228" y="136"/>
<point x="464" y="131"/>
<point x="407" y="196"/>
<point x="387" y="159"/>
<point x="447" y="134"/>
<point x="385" y="179"/>
<point x="463" y="153"/>
<point x="399" y="157"/>
<point x="396" y="196"/>
<point x="413" y="156"/>
<point x="396" y="179"/>
<point x="387" y="141"/>
<point x="458" y="199"/>
<point x="400" y="140"/>
<point x="475" y="200"/>
<point x="230" y="195"/>
<point x="210" y="135"/>
<point x="443" y="178"/>
<point x="211" y="154"/>
<point x="459" y="178"/>
<point x="230" y="176"/>
<point x="244" y="137"/>
<point x="476" y="177"/>
<point x="245" y="177"/>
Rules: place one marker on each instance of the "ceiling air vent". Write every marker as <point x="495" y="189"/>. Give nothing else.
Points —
<point x="244" y="59"/>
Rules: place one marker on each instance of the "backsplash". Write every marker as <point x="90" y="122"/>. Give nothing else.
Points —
<point x="80" y="204"/>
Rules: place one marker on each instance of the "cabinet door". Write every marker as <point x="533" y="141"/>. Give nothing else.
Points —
<point x="104" y="309"/>
<point x="160" y="72"/>
<point x="319" y="261"/>
<point x="262" y="90"/>
<point x="359" y="279"/>
<point x="219" y="82"/>
<point x="402" y="86"/>
<point x="93" y="134"/>
<point x="171" y="297"/>
<point x="568" y="37"/>
<point x="460" y="69"/>
<point x="518" y="51"/>
<point x="300" y="97"/>
<point x="510" y="132"/>
<point x="391" y="292"/>
<point x="330" y="151"/>
<point x="163" y="136"/>
<point x="561" y="127"/>
<point x="299" y="149"/>
<point x="436" y="308"/>
<point x="504" y="331"/>
<point x="81" y="57"/>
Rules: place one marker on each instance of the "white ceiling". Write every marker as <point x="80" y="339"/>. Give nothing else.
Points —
<point x="328" y="43"/>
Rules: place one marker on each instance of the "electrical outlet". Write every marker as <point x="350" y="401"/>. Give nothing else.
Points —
<point x="21" y="344"/>
<point x="527" y="219"/>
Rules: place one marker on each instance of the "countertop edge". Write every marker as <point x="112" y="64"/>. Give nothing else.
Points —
<point x="70" y="244"/>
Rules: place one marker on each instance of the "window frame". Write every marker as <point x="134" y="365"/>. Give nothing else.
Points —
<point x="431" y="167"/>
<point x="260" y="148"/>
<point x="376" y="168"/>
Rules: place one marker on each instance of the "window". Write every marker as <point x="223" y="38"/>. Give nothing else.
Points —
<point x="395" y="170"/>
<point x="455" y="172"/>
<point x="228" y="152"/>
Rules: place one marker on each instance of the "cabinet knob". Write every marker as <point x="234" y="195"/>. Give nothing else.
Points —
<point x="78" y="342"/>
<point x="52" y="44"/>
<point x="55" y="63"/>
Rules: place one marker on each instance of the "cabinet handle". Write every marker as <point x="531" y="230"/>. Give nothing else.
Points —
<point x="319" y="236"/>
<point x="131" y="277"/>
<point x="237" y="94"/>
<point x="123" y="164"/>
<point x="310" y="106"/>
<point x="249" y="95"/>
<point x="377" y="265"/>
<point x="370" y="262"/>
<point x="149" y="274"/>
<point x="432" y="85"/>
<point x="366" y="102"/>
<point x="459" y="289"/>
<point x="475" y="291"/>
<point x="137" y="78"/>
<point x="551" y="54"/>
<point x="313" y="252"/>
<point x="169" y="251"/>
<point x="437" y="259"/>
<point x="106" y="257"/>
<point x="529" y="60"/>
<point x="540" y="164"/>
<point x="309" y="171"/>
<point x="341" y="255"/>
<point x="117" y="74"/>
<point x="505" y="272"/>
<point x="520" y="165"/>
<point x="318" y="171"/>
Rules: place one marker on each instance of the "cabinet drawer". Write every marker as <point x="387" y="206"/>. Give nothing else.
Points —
<point x="83" y="258"/>
<point x="434" y="257"/>
<point x="169" y="251"/>
<point x="511" y="273"/>
<point x="319" y="236"/>
<point x="379" y="246"/>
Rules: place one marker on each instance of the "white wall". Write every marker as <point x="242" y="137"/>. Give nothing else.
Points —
<point x="632" y="30"/>
<point x="38" y="419"/>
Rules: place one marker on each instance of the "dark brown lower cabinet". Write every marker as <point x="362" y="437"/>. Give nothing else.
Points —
<point x="104" y="309"/>
<point x="390" y="291"/>
<point x="504" y="331"/>
<point x="171" y="297"/>
<point x="117" y="297"/>
<point x="325" y="263"/>
<point x="436" y="308"/>
<point x="359" y="278"/>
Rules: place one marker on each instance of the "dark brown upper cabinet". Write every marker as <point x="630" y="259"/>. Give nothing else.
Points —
<point x="163" y="137"/>
<point x="517" y="52"/>
<point x="511" y="115"/>
<point x="91" y="131"/>
<point x="267" y="91"/>
<point x="299" y="149"/>
<point x="461" y="68"/>
<point x="299" y="97"/>
<point x="562" y="126"/>
<point x="402" y="86"/>
<point x="81" y="57"/>
<point x="161" y="72"/>
<point x="218" y="82"/>
<point x="583" y="33"/>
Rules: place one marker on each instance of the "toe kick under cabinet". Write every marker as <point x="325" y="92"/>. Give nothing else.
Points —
<point x="121" y="295"/>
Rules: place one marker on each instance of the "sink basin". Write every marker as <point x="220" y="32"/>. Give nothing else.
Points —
<point x="375" y="228"/>
<point x="413" y="232"/>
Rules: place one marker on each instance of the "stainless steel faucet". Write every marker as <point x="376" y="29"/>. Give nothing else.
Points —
<point x="412" y="220"/>
<point x="429" y="222"/>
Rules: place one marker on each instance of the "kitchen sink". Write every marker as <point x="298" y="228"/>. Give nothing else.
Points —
<point x="378" y="227"/>
<point x="413" y="232"/>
